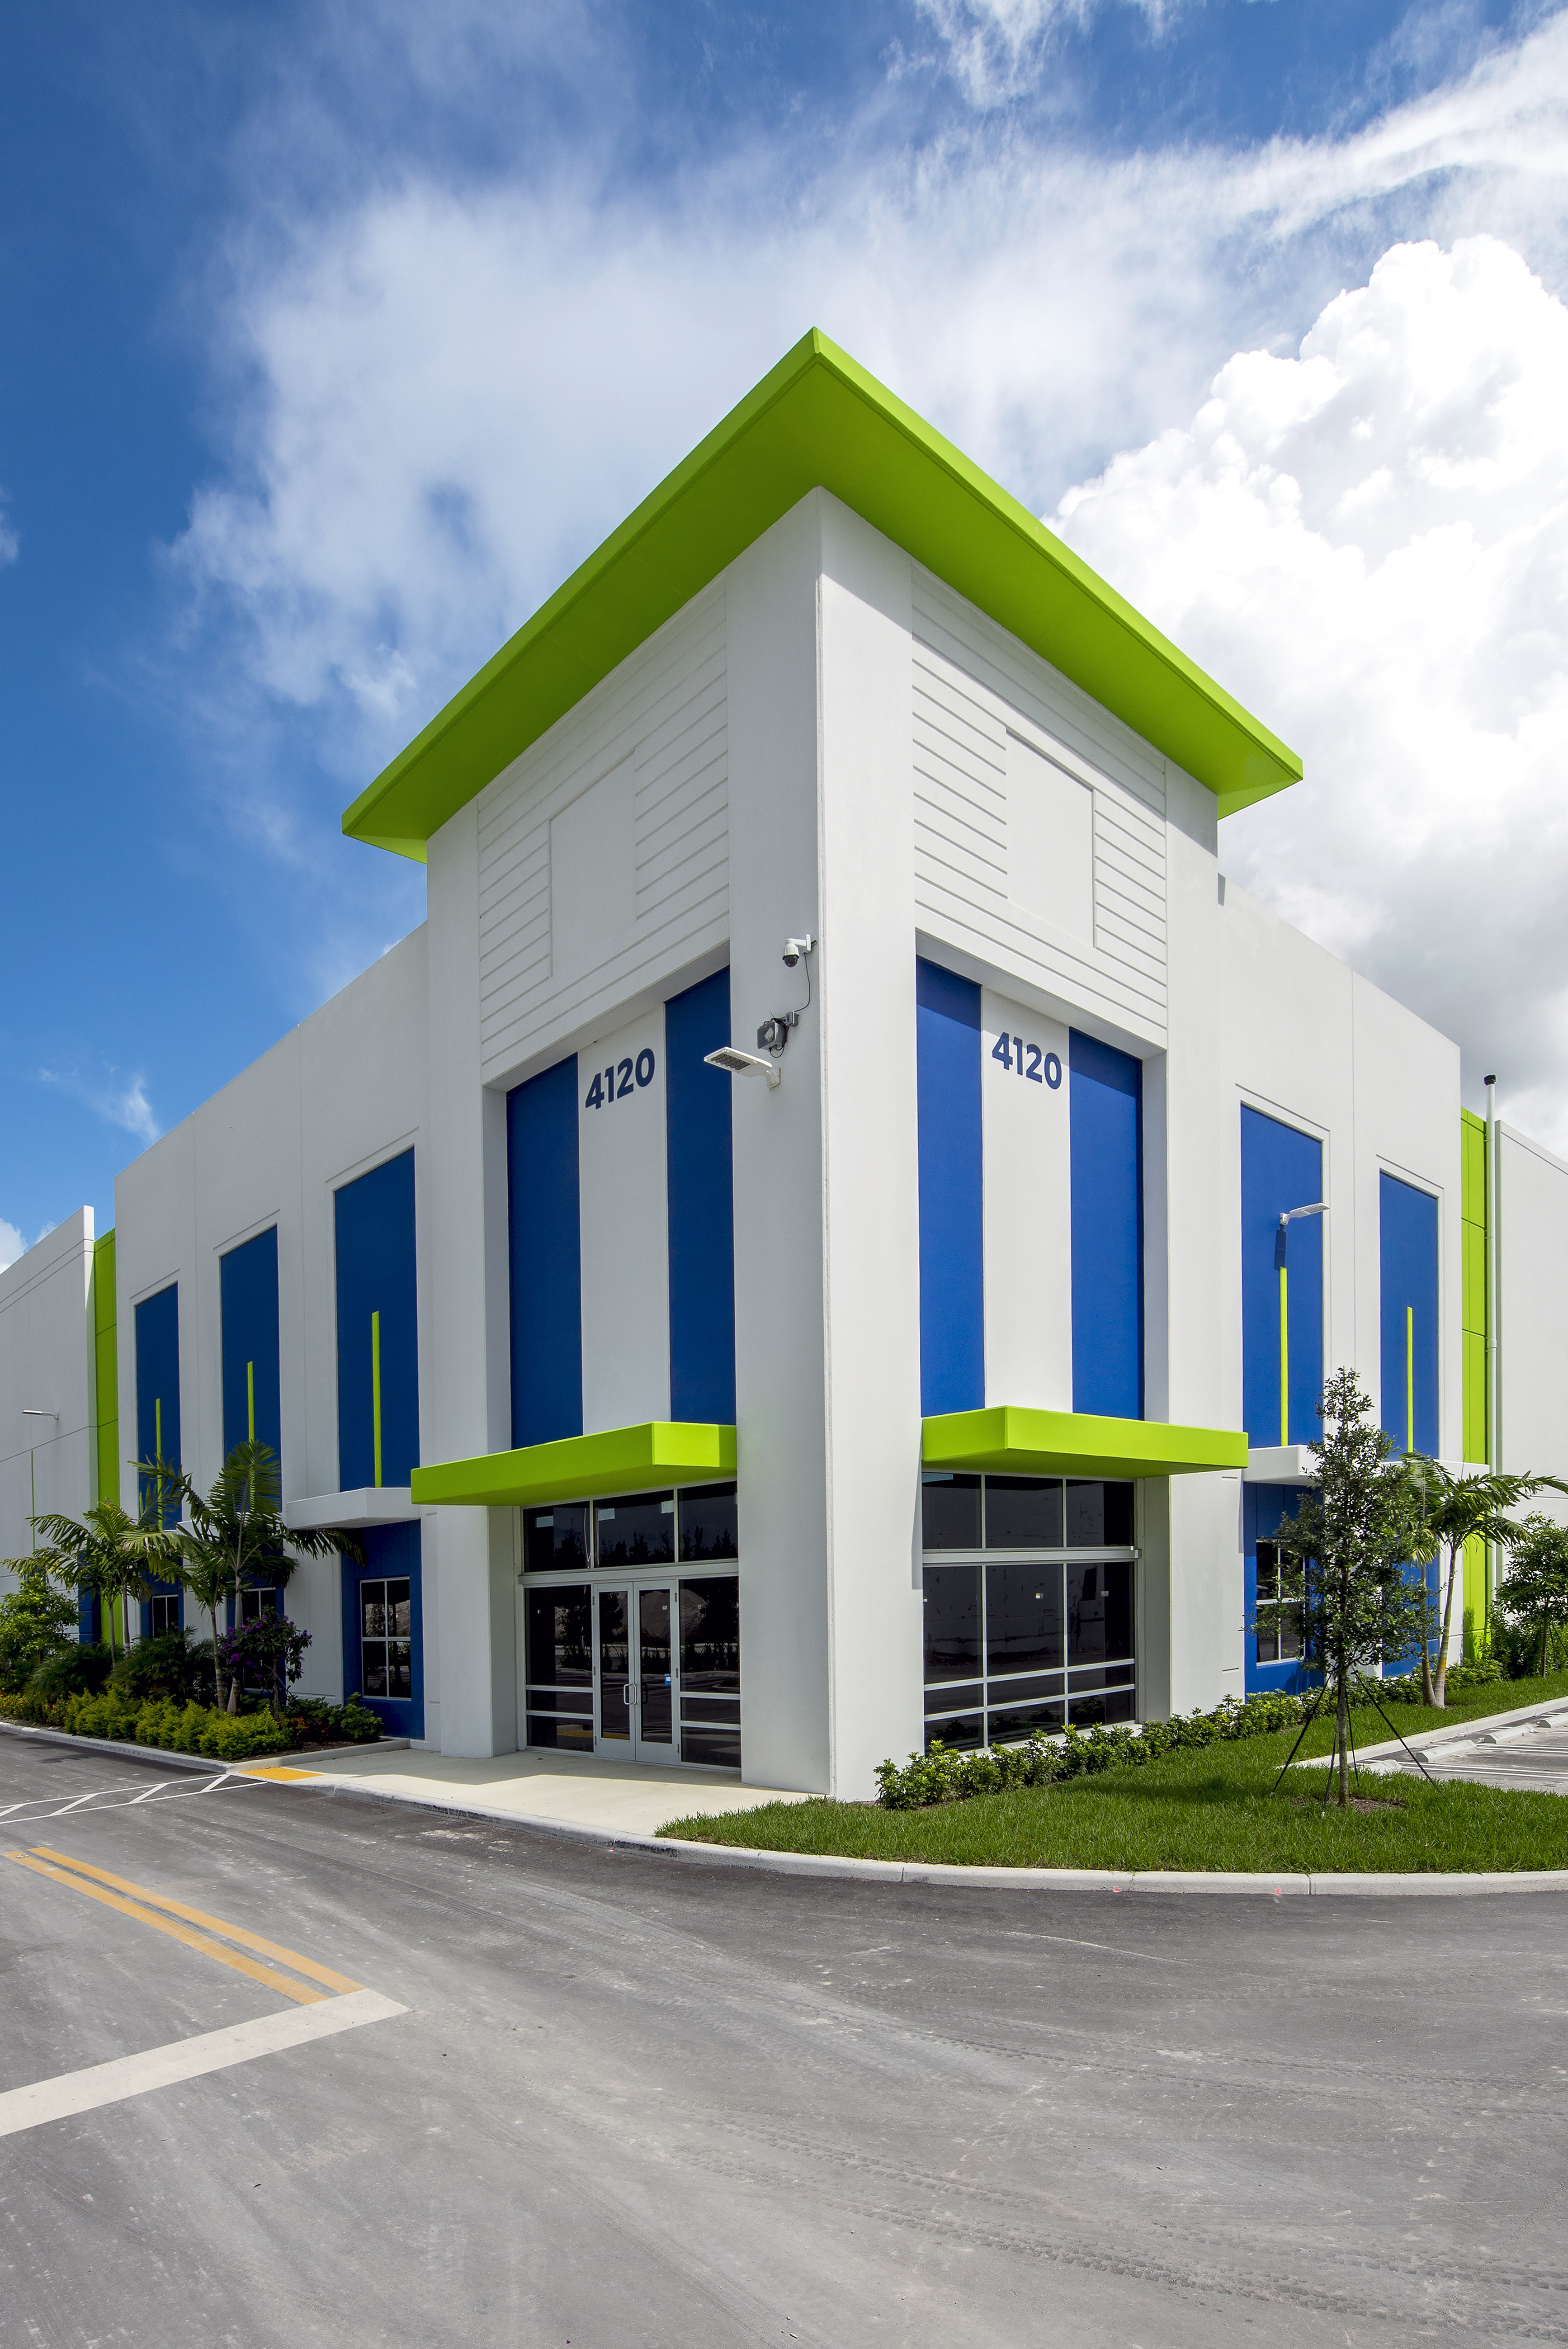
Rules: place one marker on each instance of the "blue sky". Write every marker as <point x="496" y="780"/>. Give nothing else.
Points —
<point x="334" y="336"/>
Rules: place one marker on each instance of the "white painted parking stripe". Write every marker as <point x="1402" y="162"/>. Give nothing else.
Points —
<point x="188" y="2059"/>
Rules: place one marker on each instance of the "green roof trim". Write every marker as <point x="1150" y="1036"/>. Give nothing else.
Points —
<point x="1011" y="1441"/>
<point x="580" y="1468"/>
<point x="818" y="420"/>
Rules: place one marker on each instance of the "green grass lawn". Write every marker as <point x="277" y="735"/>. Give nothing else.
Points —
<point x="1207" y="1807"/>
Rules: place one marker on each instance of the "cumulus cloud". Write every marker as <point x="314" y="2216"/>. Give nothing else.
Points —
<point x="12" y="1244"/>
<point x="119" y="1101"/>
<point x="452" y="392"/>
<point x="1368" y="542"/>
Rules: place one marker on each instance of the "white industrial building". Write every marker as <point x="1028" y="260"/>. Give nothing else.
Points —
<point x="941" y="1367"/>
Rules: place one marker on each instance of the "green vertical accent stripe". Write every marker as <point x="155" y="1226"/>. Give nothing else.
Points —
<point x="1474" y="1209"/>
<point x="1284" y="1361"/>
<point x="105" y="1372"/>
<point x="1409" y="1378"/>
<point x="375" y="1389"/>
<point x="250" y="1401"/>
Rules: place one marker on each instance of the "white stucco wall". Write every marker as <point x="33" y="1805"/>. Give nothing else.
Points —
<point x="46" y="1364"/>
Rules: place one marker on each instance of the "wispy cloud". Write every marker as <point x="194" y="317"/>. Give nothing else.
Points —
<point x="12" y="1244"/>
<point x="458" y="389"/>
<point x="122" y="1104"/>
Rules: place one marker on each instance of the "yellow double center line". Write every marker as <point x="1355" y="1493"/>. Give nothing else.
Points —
<point x="135" y="1900"/>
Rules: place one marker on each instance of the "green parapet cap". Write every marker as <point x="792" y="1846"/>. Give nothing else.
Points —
<point x="1012" y="1442"/>
<point x="579" y="1467"/>
<point x="818" y="420"/>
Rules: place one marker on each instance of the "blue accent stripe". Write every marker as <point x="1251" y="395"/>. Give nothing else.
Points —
<point x="377" y="1273"/>
<point x="1107" y="1189"/>
<point x="1281" y="1169"/>
<point x="544" y="1221"/>
<point x="248" y="1290"/>
<point x="158" y="1377"/>
<point x="701" y="1205"/>
<point x="390" y="1550"/>
<point x="1408" y="1243"/>
<point x="952" y="1196"/>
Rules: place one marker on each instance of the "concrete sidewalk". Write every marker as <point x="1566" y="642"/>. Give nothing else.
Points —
<point x="533" y="1789"/>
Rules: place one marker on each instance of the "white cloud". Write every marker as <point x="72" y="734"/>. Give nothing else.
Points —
<point x="454" y="392"/>
<point x="1368" y="543"/>
<point x="12" y="1244"/>
<point x="119" y="1101"/>
<point x="10" y="541"/>
<point x="995" y="47"/>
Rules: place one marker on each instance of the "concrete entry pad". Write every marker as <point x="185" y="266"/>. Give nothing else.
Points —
<point x="560" y="1790"/>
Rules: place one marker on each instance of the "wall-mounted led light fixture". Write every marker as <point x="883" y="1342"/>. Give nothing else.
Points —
<point x="736" y="1064"/>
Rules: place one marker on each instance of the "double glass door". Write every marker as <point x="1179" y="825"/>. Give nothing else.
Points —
<point x="631" y="1626"/>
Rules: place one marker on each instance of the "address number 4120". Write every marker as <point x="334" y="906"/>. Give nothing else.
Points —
<point x="1030" y="1061"/>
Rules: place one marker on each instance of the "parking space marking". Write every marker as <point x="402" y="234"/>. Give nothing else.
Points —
<point x="188" y="2059"/>
<point x="119" y="1798"/>
<point x="240" y="1933"/>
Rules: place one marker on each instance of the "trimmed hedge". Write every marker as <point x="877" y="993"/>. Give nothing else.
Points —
<point x="943" y="1775"/>
<point x="177" y="1728"/>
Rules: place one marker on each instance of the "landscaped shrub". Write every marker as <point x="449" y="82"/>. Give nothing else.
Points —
<point x="74" y="1671"/>
<point x="314" y="1721"/>
<point x="168" y="1665"/>
<point x="189" y="1728"/>
<point x="943" y="1775"/>
<point x="1407" y="1689"/>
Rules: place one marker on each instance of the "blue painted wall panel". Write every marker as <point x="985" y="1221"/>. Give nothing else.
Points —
<point x="389" y="1551"/>
<point x="701" y="1205"/>
<point x="1107" y="1188"/>
<point x="248" y="1286"/>
<point x="1264" y="1509"/>
<point x="952" y="1241"/>
<point x="544" y="1221"/>
<point x="377" y="1274"/>
<point x="1281" y="1169"/>
<point x="157" y="1380"/>
<point x="1407" y="1244"/>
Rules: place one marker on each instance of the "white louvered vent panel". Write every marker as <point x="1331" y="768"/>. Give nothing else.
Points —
<point x="973" y="686"/>
<point x="655" y="734"/>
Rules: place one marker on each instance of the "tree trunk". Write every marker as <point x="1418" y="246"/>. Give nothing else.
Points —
<point x="1429" y="1693"/>
<point x="1342" y="1730"/>
<point x="217" y="1688"/>
<point x="1545" y="1635"/>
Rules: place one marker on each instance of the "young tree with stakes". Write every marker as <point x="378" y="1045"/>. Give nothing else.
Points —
<point x="1458" y="1509"/>
<point x="1534" y="1590"/>
<point x="1345" y="1557"/>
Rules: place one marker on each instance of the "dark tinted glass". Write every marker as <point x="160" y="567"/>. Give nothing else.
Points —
<point x="1021" y="1720"/>
<point x="698" y="1710"/>
<point x="565" y="1736"/>
<point x="1023" y="1618"/>
<point x="1099" y="1516"/>
<point x="708" y="1520"/>
<point x="1100" y="1611"/>
<point x="1268" y="1572"/>
<point x="398" y="1611"/>
<point x="950" y="1511"/>
<point x="1116" y="1705"/>
<point x="960" y="1696"/>
<point x="952" y="1622"/>
<point x="560" y="1636"/>
<point x="962" y="1735"/>
<point x="1027" y="1687"/>
<point x="557" y="1536"/>
<point x="719" y="1749"/>
<point x="399" y="1669"/>
<point x="1023" y="1513"/>
<point x="637" y="1531"/>
<point x="710" y="1634"/>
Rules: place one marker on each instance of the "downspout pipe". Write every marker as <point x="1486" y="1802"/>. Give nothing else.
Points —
<point x="1493" y="1398"/>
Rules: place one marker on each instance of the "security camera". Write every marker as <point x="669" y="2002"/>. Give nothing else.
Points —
<point x="794" y="948"/>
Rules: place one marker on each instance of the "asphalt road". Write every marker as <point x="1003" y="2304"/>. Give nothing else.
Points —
<point x="634" y="2100"/>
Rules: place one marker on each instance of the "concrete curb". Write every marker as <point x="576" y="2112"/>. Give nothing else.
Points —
<point x="1013" y="1880"/>
<point x="182" y="1761"/>
<point x="1466" y="1732"/>
<point x="865" y="1871"/>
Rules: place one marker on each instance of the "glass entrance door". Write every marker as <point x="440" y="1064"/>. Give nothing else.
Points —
<point x="636" y="1670"/>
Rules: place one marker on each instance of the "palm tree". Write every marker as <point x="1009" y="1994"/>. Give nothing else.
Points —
<point x="1455" y="1510"/>
<point x="235" y="1540"/>
<point x="109" y="1551"/>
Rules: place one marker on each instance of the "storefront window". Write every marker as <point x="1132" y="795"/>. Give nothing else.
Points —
<point x="1019" y="1643"/>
